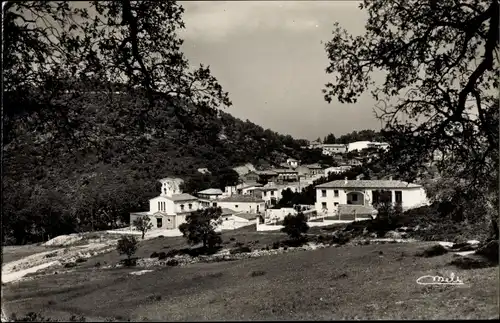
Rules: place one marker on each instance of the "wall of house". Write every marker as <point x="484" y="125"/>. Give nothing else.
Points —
<point x="169" y="205"/>
<point x="411" y="197"/>
<point x="247" y="207"/>
<point x="279" y="214"/>
<point x="194" y="206"/>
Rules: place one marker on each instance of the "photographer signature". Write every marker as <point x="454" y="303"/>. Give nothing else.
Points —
<point x="438" y="280"/>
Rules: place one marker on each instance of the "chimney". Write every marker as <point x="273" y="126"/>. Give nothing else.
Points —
<point x="345" y="180"/>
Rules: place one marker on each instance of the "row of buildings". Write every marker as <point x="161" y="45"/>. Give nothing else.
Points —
<point x="332" y="149"/>
<point x="247" y="202"/>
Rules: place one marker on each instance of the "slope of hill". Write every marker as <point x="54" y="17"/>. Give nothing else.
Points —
<point x="107" y="161"/>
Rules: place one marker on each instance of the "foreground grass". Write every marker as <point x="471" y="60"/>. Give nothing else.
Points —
<point x="350" y="282"/>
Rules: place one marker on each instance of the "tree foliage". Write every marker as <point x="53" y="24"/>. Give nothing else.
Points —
<point x="439" y="61"/>
<point x="127" y="245"/>
<point x="295" y="225"/>
<point x="143" y="224"/>
<point x="200" y="227"/>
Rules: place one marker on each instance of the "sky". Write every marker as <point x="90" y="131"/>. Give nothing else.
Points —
<point x="269" y="56"/>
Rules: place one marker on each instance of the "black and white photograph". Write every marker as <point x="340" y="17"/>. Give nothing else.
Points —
<point x="250" y="160"/>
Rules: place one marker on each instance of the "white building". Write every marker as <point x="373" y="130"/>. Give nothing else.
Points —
<point x="242" y="203"/>
<point x="272" y="193"/>
<point x="292" y="162"/>
<point x="331" y="149"/>
<point x="169" y="209"/>
<point x="233" y="220"/>
<point x="367" y="192"/>
<point x="210" y="194"/>
<point x="336" y="170"/>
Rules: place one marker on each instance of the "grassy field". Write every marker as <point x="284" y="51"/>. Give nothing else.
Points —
<point x="349" y="282"/>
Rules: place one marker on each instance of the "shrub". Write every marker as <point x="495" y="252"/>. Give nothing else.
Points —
<point x="471" y="263"/>
<point x="69" y="264"/>
<point x="154" y="255"/>
<point x="436" y="250"/>
<point x="276" y="245"/>
<point x="172" y="262"/>
<point x="341" y="237"/>
<point x="232" y="239"/>
<point x="127" y="245"/>
<point x="30" y="317"/>
<point x="163" y="255"/>
<point x="80" y="260"/>
<point x="75" y="318"/>
<point x="50" y="255"/>
<point x="97" y="264"/>
<point x="295" y="225"/>
<point x="257" y="273"/>
<point x="239" y="244"/>
<point x="490" y="251"/>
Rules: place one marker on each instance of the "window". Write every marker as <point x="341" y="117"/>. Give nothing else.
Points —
<point x="236" y="205"/>
<point x="214" y="204"/>
<point x="159" y="206"/>
<point x="355" y="197"/>
<point x="336" y="193"/>
<point x="190" y="206"/>
<point x="182" y="207"/>
<point x="227" y="219"/>
<point x="159" y="222"/>
<point x="164" y="191"/>
<point x="272" y="193"/>
<point x="336" y="203"/>
<point x="398" y="195"/>
<point x="323" y="205"/>
<point x="323" y="193"/>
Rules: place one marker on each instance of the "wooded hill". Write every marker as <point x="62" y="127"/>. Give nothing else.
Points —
<point x="104" y="165"/>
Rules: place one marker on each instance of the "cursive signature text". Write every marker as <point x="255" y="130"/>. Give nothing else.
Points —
<point x="438" y="280"/>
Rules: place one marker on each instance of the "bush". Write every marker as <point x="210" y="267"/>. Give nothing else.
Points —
<point x="276" y="245"/>
<point x="154" y="255"/>
<point x="80" y="260"/>
<point x="433" y="251"/>
<point x="97" y="264"/>
<point x="31" y="317"/>
<point x="257" y="273"/>
<point x="341" y="237"/>
<point x="163" y="255"/>
<point x="239" y="244"/>
<point x="69" y="264"/>
<point x="232" y="239"/>
<point x="50" y="255"/>
<point x="295" y="226"/>
<point x="75" y="318"/>
<point x="490" y="251"/>
<point x="127" y="245"/>
<point x="471" y="263"/>
<point x="172" y="262"/>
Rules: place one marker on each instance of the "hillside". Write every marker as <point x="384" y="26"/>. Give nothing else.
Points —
<point x="107" y="160"/>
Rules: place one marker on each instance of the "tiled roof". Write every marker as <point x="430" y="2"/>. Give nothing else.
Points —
<point x="314" y="166"/>
<point x="345" y="209"/>
<point x="211" y="191"/>
<point x="241" y="198"/>
<point x="284" y="171"/>
<point x="247" y="185"/>
<point x="181" y="197"/>
<point x="266" y="172"/>
<point x="367" y="184"/>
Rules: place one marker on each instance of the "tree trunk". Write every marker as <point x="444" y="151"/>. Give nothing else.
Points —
<point x="143" y="234"/>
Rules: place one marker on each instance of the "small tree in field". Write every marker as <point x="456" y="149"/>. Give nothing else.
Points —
<point x="143" y="224"/>
<point x="127" y="246"/>
<point x="200" y="227"/>
<point x="295" y="226"/>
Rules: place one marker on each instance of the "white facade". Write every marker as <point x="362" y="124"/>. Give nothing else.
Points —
<point x="292" y="162"/>
<point x="328" y="198"/>
<point x="330" y="149"/>
<point x="169" y="209"/>
<point x="246" y="207"/>
<point x="336" y="170"/>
